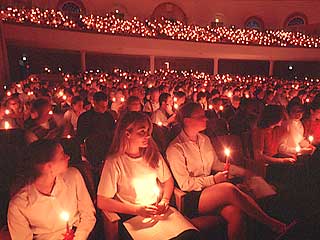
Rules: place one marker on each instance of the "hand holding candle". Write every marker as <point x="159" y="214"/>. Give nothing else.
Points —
<point x="69" y="235"/>
<point x="227" y="160"/>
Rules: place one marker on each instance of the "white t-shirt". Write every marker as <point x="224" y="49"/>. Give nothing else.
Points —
<point x="132" y="180"/>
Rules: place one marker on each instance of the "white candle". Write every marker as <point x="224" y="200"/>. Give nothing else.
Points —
<point x="6" y="125"/>
<point x="310" y="138"/>
<point x="65" y="217"/>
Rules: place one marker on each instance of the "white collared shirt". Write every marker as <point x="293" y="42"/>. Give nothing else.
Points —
<point x="32" y="215"/>
<point x="191" y="162"/>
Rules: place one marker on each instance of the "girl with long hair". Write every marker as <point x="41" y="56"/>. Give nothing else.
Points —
<point x="134" y="172"/>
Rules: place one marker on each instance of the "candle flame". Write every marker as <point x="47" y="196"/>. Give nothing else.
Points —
<point x="64" y="216"/>
<point x="310" y="138"/>
<point x="6" y="125"/>
<point x="210" y="107"/>
<point x="221" y="108"/>
<point x="69" y="136"/>
<point x="7" y="111"/>
<point x="50" y="112"/>
<point x="160" y="123"/>
<point x="298" y="149"/>
<point x="122" y="99"/>
<point x="227" y="152"/>
<point x="176" y="106"/>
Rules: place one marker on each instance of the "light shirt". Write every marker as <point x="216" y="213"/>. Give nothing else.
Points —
<point x="72" y="118"/>
<point x="293" y="137"/>
<point x="132" y="180"/>
<point x="191" y="162"/>
<point x="159" y="117"/>
<point x="33" y="215"/>
<point x="151" y="106"/>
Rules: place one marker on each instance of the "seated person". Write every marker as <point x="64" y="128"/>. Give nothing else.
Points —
<point x="294" y="142"/>
<point x="133" y="172"/>
<point x="192" y="158"/>
<point x="164" y="116"/>
<point x="152" y="104"/>
<point x="43" y="124"/>
<point x="312" y="124"/>
<point x="13" y="111"/>
<point x="71" y="116"/>
<point x="97" y="120"/>
<point x="266" y="137"/>
<point x="48" y="188"/>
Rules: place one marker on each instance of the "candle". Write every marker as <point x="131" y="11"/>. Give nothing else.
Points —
<point x="156" y="191"/>
<point x="310" y="138"/>
<point x="65" y="217"/>
<point x="7" y="111"/>
<point x="122" y="99"/>
<point x="7" y="125"/>
<point x="176" y="106"/>
<point x="64" y="97"/>
<point x="160" y="124"/>
<point x="68" y="136"/>
<point x="298" y="149"/>
<point x="227" y="162"/>
<point x="175" y="99"/>
<point x="210" y="107"/>
<point x="50" y="112"/>
<point x="221" y="108"/>
<point x="113" y="99"/>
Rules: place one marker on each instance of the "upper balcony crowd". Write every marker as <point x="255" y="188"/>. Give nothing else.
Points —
<point x="114" y="24"/>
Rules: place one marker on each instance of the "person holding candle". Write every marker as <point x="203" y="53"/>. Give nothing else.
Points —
<point x="47" y="188"/>
<point x="164" y="114"/>
<point x="294" y="136"/>
<point x="134" y="172"/>
<point x="192" y="158"/>
<point x="312" y="124"/>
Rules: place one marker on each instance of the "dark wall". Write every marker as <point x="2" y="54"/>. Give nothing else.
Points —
<point x="243" y="67"/>
<point x="299" y="69"/>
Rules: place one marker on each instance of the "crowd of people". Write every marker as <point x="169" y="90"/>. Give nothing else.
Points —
<point x="277" y="120"/>
<point x="164" y="29"/>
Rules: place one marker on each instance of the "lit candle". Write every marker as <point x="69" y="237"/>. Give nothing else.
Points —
<point x="65" y="217"/>
<point x="122" y="99"/>
<point x="298" y="149"/>
<point x="221" y="108"/>
<point x="156" y="191"/>
<point x="175" y="99"/>
<point x="68" y="136"/>
<point x="50" y="112"/>
<point x="64" y="97"/>
<point x="7" y="125"/>
<point x="210" y="107"/>
<point x="176" y="106"/>
<point x="160" y="124"/>
<point x="7" y="111"/>
<point x="113" y="99"/>
<point x="310" y="138"/>
<point x="227" y="161"/>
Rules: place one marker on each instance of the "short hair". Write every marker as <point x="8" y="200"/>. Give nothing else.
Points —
<point x="187" y="110"/>
<point x="39" y="104"/>
<point x="294" y="103"/>
<point x="163" y="97"/>
<point x="100" y="96"/>
<point x="271" y="115"/>
<point x="75" y="100"/>
<point x="179" y="94"/>
<point x="201" y="95"/>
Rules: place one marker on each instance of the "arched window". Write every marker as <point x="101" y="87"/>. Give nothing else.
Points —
<point x="254" y="23"/>
<point x="296" y="19"/>
<point x="72" y="8"/>
<point x="169" y="11"/>
<point x="218" y="20"/>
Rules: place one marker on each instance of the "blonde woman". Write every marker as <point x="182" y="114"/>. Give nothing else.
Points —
<point x="135" y="172"/>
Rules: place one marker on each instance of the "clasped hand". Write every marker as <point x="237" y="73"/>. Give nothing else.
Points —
<point x="148" y="211"/>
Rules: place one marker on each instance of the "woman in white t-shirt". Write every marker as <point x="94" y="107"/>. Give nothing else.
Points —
<point x="135" y="171"/>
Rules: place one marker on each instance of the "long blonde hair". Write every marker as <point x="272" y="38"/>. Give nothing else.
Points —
<point x="120" y="141"/>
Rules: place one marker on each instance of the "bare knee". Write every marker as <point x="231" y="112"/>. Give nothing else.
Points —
<point x="229" y="189"/>
<point x="232" y="214"/>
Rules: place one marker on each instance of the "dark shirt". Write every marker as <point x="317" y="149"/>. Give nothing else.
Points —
<point x="93" y="123"/>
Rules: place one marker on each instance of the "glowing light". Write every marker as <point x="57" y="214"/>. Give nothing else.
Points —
<point x="227" y="152"/>
<point x="64" y="216"/>
<point x="221" y="108"/>
<point x="160" y="124"/>
<point x="7" y="111"/>
<point x="7" y="125"/>
<point x="176" y="106"/>
<point x="50" y="112"/>
<point x="113" y="99"/>
<point x="68" y="136"/>
<point x="298" y="149"/>
<point x="122" y="99"/>
<point x="310" y="138"/>
<point x="8" y="93"/>
<point x="64" y="97"/>
<point x="210" y="107"/>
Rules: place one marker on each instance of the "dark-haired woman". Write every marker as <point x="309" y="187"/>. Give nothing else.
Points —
<point x="192" y="159"/>
<point x="49" y="192"/>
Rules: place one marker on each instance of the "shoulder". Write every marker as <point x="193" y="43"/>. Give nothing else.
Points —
<point x="21" y="198"/>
